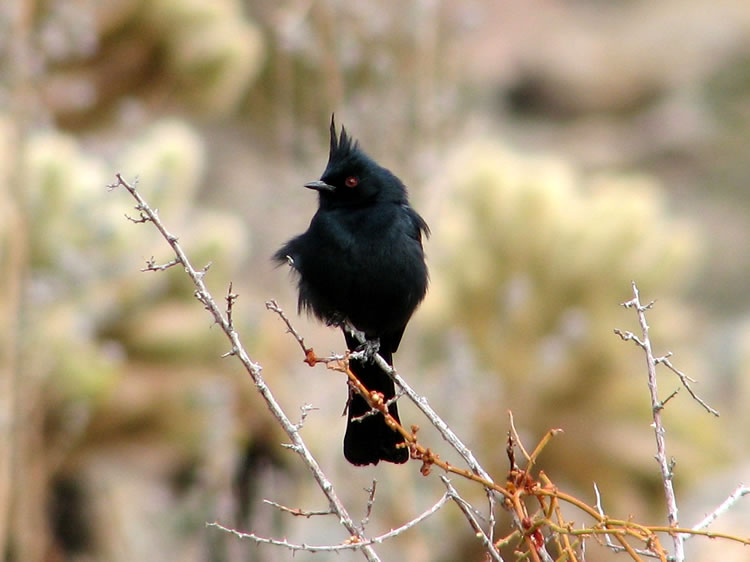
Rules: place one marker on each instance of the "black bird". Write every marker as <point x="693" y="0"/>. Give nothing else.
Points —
<point x="361" y="264"/>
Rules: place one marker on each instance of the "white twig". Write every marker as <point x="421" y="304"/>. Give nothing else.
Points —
<point x="297" y="512"/>
<point x="370" y="502"/>
<point x="612" y="546"/>
<point x="686" y="380"/>
<point x="664" y="360"/>
<point x="305" y="409"/>
<point x="421" y="403"/>
<point x="468" y="511"/>
<point x="665" y="465"/>
<point x="352" y="544"/>
<point x="733" y="498"/>
<point x="445" y="431"/>
<point x="151" y="263"/>
<point x="252" y="368"/>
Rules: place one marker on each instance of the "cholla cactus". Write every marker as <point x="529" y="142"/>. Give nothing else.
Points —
<point x="92" y="334"/>
<point x="81" y="246"/>
<point x="201" y="56"/>
<point x="530" y="259"/>
<point x="212" y="49"/>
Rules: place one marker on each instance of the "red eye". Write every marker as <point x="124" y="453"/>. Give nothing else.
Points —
<point x="351" y="181"/>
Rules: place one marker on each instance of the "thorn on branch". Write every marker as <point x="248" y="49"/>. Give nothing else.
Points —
<point x="370" y="502"/>
<point x="671" y="465"/>
<point x="122" y="182"/>
<point x="201" y="296"/>
<point x="660" y="406"/>
<point x="310" y="357"/>
<point x="296" y="511"/>
<point x="685" y="382"/>
<point x="630" y="336"/>
<point x="231" y="298"/>
<point x="201" y="273"/>
<point x="305" y="409"/>
<point x="142" y="218"/>
<point x="151" y="264"/>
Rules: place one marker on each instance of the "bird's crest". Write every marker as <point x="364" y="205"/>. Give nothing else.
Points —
<point x="341" y="146"/>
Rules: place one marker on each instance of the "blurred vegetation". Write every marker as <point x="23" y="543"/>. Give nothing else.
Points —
<point x="530" y="258"/>
<point x="121" y="432"/>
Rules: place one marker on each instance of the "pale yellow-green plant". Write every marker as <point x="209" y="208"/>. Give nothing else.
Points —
<point x="530" y="259"/>
<point x="81" y="249"/>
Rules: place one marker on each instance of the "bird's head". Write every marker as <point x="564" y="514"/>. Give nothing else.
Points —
<point x="353" y="178"/>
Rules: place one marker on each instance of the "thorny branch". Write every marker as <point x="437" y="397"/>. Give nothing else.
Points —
<point x="370" y="502"/>
<point x="252" y="368"/>
<point x="471" y="517"/>
<point x="666" y="466"/>
<point x="733" y="498"/>
<point x="298" y="512"/>
<point x="520" y="483"/>
<point x="352" y="543"/>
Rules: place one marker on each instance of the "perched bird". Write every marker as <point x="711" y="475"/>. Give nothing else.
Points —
<point x="360" y="265"/>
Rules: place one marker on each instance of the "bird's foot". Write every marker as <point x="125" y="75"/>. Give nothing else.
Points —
<point x="369" y="349"/>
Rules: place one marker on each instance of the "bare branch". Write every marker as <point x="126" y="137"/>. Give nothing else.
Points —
<point x="305" y="409"/>
<point x="519" y="486"/>
<point x="665" y="466"/>
<point x="468" y="512"/>
<point x="273" y="306"/>
<point x="685" y="380"/>
<point x="608" y="540"/>
<point x="297" y="512"/>
<point x="351" y="544"/>
<point x="733" y="498"/>
<point x="253" y="369"/>
<point x="421" y="402"/>
<point x="151" y="264"/>
<point x="370" y="503"/>
<point x="231" y="298"/>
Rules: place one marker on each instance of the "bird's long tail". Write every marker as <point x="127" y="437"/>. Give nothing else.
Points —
<point x="369" y="440"/>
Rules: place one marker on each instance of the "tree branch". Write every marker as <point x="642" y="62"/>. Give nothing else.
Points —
<point x="352" y="544"/>
<point x="252" y="368"/>
<point x="520" y="484"/>
<point x="665" y="465"/>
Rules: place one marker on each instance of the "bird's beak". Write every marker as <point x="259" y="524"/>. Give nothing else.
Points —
<point x="319" y="186"/>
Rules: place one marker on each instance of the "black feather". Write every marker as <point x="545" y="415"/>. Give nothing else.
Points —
<point x="361" y="263"/>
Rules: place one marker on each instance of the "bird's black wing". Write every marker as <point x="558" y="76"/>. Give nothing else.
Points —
<point x="418" y="224"/>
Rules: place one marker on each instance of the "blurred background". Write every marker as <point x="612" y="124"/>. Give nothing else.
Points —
<point x="558" y="150"/>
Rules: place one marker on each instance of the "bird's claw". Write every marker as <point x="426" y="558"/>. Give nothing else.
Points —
<point x="369" y="349"/>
